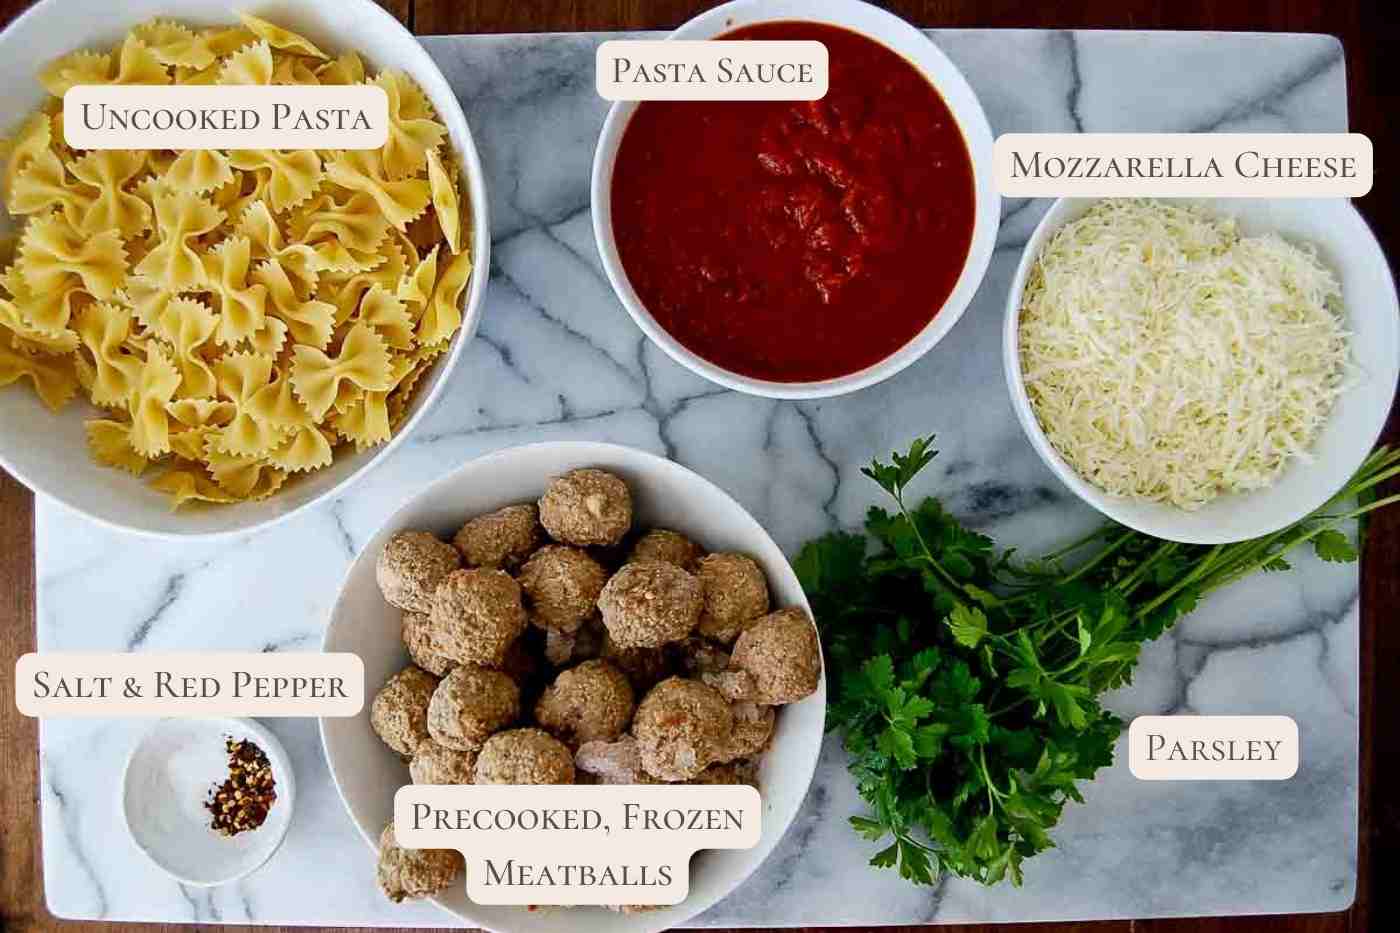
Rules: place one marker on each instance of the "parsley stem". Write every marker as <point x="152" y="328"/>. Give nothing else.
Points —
<point x="1101" y="556"/>
<point x="1128" y="584"/>
<point x="1196" y="573"/>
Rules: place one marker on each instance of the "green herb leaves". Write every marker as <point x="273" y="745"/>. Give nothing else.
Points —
<point x="967" y="683"/>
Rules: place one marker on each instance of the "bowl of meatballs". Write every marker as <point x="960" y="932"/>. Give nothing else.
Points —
<point x="574" y="613"/>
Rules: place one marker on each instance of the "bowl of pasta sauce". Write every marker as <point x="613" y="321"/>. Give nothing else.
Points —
<point x="801" y="249"/>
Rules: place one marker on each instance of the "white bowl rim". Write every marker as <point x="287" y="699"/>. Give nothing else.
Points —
<point x="286" y="794"/>
<point x="1112" y="507"/>
<point x="808" y="771"/>
<point x="977" y="137"/>
<point x="472" y="305"/>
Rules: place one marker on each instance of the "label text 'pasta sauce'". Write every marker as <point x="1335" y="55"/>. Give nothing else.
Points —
<point x="797" y="241"/>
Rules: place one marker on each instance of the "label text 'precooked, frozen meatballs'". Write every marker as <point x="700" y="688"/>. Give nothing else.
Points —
<point x="570" y="844"/>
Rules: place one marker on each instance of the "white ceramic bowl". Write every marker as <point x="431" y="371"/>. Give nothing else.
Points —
<point x="894" y="33"/>
<point x="167" y="779"/>
<point x="48" y="452"/>
<point x="1348" y="247"/>
<point x="665" y="495"/>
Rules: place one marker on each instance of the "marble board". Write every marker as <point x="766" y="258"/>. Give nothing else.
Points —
<point x="557" y="358"/>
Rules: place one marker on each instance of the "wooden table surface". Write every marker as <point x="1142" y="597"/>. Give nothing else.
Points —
<point x="1370" y="33"/>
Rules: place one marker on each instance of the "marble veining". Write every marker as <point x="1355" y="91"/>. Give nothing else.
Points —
<point x="557" y="358"/>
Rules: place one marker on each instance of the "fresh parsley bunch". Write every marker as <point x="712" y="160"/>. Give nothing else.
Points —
<point x="967" y="683"/>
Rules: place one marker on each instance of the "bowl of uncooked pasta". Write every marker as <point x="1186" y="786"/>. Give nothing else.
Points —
<point x="202" y="342"/>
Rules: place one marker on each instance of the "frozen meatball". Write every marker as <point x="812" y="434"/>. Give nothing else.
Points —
<point x="669" y="547"/>
<point x="753" y="727"/>
<point x="476" y="616"/>
<point x="399" y="713"/>
<point x="781" y="654"/>
<point x="438" y="764"/>
<point x="524" y="756"/>
<point x="471" y="703"/>
<point x="730" y="772"/>
<point x="414" y="872"/>
<point x="591" y="702"/>
<point x="681" y="727"/>
<point x="587" y="507"/>
<point x="644" y="667"/>
<point x="699" y="656"/>
<point x="647" y="604"/>
<point x="410" y="568"/>
<point x="418" y="639"/>
<point x="610" y="762"/>
<point x="736" y="593"/>
<point x="561" y="586"/>
<point x="500" y="539"/>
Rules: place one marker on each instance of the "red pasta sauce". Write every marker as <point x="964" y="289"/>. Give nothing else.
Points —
<point x="796" y="241"/>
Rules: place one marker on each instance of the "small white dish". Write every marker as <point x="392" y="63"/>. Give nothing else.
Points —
<point x="891" y="31"/>
<point x="665" y="495"/>
<point x="167" y="780"/>
<point x="48" y="452"/>
<point x="1346" y="245"/>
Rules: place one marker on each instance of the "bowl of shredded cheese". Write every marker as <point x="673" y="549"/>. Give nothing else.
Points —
<point x="1204" y="372"/>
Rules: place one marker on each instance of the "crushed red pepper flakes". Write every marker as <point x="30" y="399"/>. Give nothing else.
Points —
<point x="242" y="802"/>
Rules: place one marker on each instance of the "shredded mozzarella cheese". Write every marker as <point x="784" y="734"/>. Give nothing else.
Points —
<point x="1168" y="358"/>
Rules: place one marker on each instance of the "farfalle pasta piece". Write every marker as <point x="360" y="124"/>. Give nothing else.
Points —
<point x="363" y="170"/>
<point x="443" y="315"/>
<point x="43" y="187"/>
<point x="416" y="288"/>
<point x="346" y="294"/>
<point x="137" y="64"/>
<point x="75" y="68"/>
<point x="251" y="64"/>
<point x="198" y="171"/>
<point x="380" y="309"/>
<point x="52" y="255"/>
<point x="202" y="413"/>
<point x="247" y="380"/>
<point x="103" y="329"/>
<point x="191" y="325"/>
<point x="413" y="132"/>
<point x="32" y="139"/>
<point x="46" y="311"/>
<point x="309" y="321"/>
<point x="112" y="207"/>
<point x="444" y="193"/>
<point x="180" y="217"/>
<point x="242" y="304"/>
<point x="342" y="234"/>
<point x="363" y="361"/>
<point x="365" y="421"/>
<point x="292" y="176"/>
<point x="223" y="41"/>
<point x="155" y="386"/>
<point x="242" y="477"/>
<point x="173" y="44"/>
<point x="110" y="443"/>
<point x="298" y="261"/>
<point x="20" y="334"/>
<point x="188" y="482"/>
<point x="345" y="68"/>
<point x="280" y="38"/>
<point x="53" y="377"/>
<point x="292" y="69"/>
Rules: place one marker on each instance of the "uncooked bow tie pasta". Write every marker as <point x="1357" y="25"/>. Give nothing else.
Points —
<point x="235" y="316"/>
